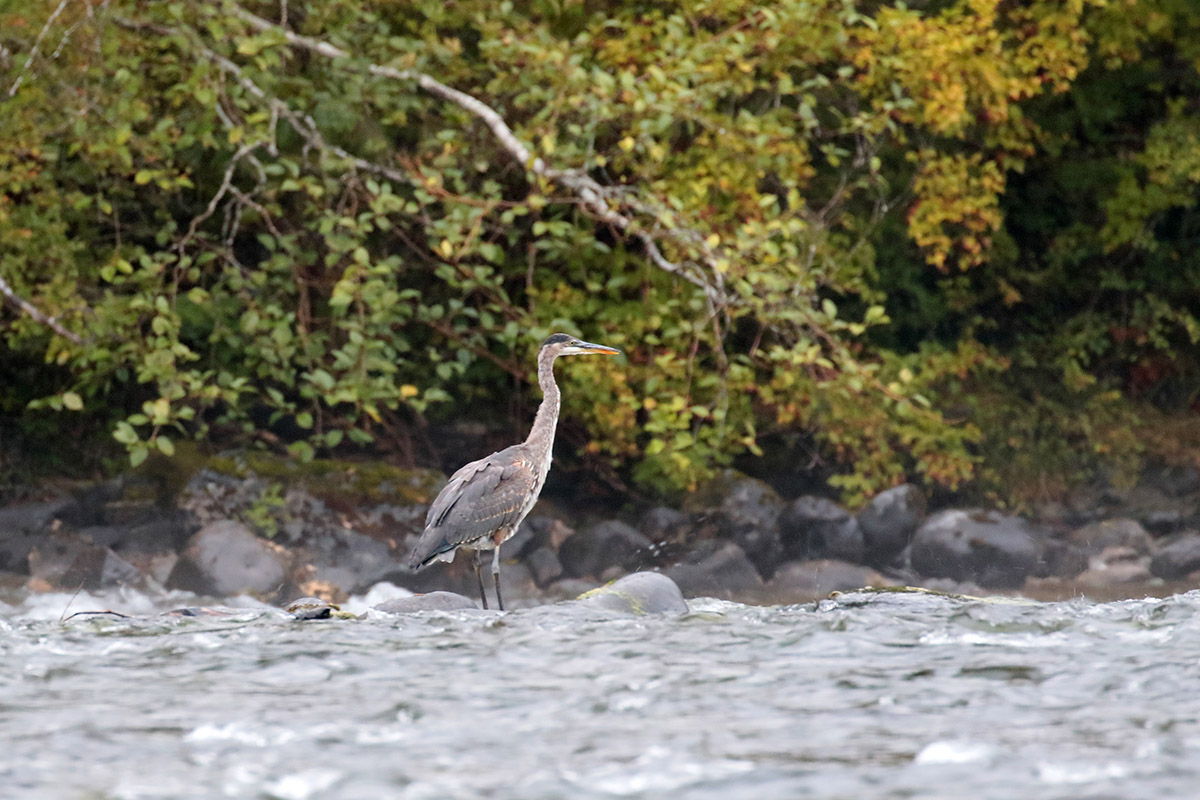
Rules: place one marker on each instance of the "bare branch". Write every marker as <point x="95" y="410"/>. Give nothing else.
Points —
<point x="225" y="187"/>
<point x="302" y="123"/>
<point x="592" y="196"/>
<point x="12" y="90"/>
<point x="33" y="311"/>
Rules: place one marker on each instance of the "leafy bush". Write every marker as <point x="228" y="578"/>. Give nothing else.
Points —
<point x="324" y="225"/>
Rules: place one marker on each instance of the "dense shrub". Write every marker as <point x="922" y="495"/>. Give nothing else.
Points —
<point x="951" y="240"/>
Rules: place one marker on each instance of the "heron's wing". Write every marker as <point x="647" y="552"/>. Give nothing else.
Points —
<point x="483" y="497"/>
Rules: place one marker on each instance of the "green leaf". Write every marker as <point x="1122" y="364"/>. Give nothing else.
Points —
<point x="125" y="434"/>
<point x="72" y="401"/>
<point x="302" y="451"/>
<point x="138" y="454"/>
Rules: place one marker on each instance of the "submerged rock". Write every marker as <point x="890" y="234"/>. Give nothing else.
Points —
<point x="433" y="601"/>
<point x="638" y="594"/>
<point x="986" y="547"/>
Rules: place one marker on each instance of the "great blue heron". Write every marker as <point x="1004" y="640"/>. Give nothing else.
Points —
<point x="485" y="501"/>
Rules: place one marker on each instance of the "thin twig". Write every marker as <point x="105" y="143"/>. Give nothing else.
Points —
<point x="32" y="310"/>
<point x="12" y="91"/>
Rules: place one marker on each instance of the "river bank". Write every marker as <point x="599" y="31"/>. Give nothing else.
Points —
<point x="275" y="530"/>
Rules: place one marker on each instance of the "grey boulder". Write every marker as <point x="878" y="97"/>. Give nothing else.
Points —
<point x="986" y="547"/>
<point x="225" y="558"/>
<point x="1178" y="557"/>
<point x="888" y="522"/>
<point x="716" y="569"/>
<point x="591" y="551"/>
<point x="638" y="594"/>
<point x="815" y="527"/>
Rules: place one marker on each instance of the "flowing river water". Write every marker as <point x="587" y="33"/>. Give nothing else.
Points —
<point x="871" y="695"/>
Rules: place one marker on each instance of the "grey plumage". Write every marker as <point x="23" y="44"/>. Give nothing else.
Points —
<point x="485" y="501"/>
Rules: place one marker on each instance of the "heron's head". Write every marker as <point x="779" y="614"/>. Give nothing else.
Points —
<point x="561" y="344"/>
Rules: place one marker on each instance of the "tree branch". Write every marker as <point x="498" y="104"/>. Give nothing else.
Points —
<point x="33" y="311"/>
<point x="12" y="90"/>
<point x="592" y="196"/>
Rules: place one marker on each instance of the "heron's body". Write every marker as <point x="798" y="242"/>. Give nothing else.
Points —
<point x="484" y="502"/>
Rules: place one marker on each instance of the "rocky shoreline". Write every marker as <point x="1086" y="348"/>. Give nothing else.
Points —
<point x="276" y="531"/>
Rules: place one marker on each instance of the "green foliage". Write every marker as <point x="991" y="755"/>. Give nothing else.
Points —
<point x="865" y="221"/>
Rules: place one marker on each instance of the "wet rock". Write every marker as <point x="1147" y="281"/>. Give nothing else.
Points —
<point x="815" y="527"/>
<point x="310" y="608"/>
<point x="798" y="581"/>
<point x="570" y="588"/>
<point x="1098" y="536"/>
<point x="1061" y="558"/>
<point x="1158" y="511"/>
<point x="1177" y="556"/>
<point x="717" y="569"/>
<point x="638" y="594"/>
<point x="517" y="584"/>
<point x="889" y="521"/>
<point x="593" y="550"/>
<point x="224" y="558"/>
<point x="1115" y="565"/>
<point x="69" y="561"/>
<point x="433" y="601"/>
<point x="455" y="576"/>
<point x="535" y="533"/>
<point x="544" y="566"/>
<point x="661" y="524"/>
<point x="21" y="528"/>
<point x="749" y="515"/>
<point x="1175" y="481"/>
<point x="349" y="561"/>
<point x="160" y="531"/>
<point x="986" y="547"/>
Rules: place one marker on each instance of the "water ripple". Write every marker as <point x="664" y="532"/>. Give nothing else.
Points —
<point x="862" y="695"/>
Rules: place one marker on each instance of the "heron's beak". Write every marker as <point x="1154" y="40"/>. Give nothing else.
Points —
<point x="588" y="348"/>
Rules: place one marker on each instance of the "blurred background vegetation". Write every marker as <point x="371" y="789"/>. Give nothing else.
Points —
<point x="841" y="243"/>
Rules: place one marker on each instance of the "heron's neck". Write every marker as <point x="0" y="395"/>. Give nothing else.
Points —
<point x="541" y="435"/>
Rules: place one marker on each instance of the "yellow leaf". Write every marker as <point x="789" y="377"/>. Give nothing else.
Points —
<point x="626" y="144"/>
<point x="408" y="390"/>
<point x="72" y="401"/>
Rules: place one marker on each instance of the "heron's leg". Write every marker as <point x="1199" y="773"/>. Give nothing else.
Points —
<point x="479" y="577"/>
<point x="496" y="576"/>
